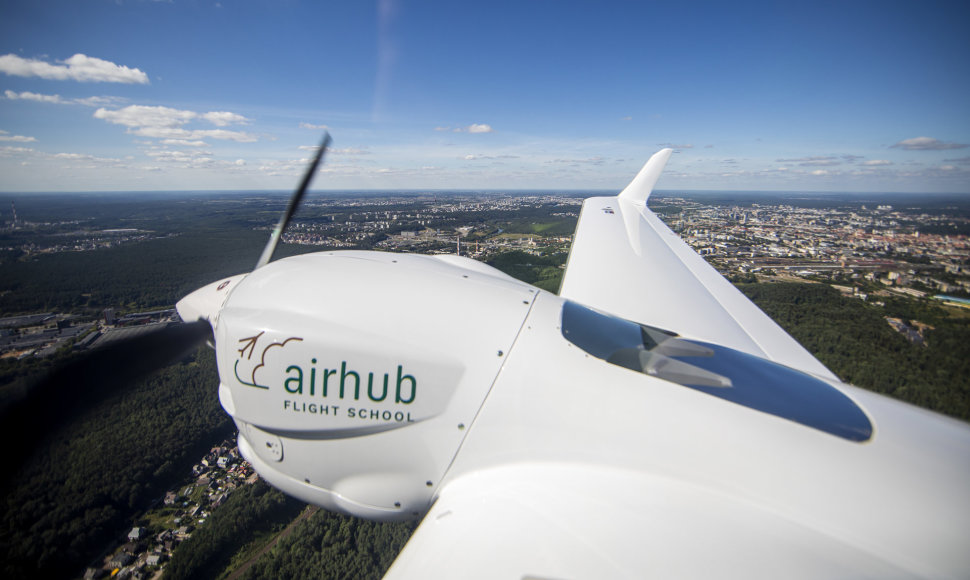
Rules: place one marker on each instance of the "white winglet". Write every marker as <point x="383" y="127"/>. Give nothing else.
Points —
<point x="641" y="186"/>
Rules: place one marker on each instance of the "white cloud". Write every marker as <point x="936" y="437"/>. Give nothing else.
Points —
<point x="29" y="96"/>
<point x="74" y="160"/>
<point x="476" y="157"/>
<point x="7" y="150"/>
<point x="814" y="161"/>
<point x="176" y="156"/>
<point x="223" y="135"/>
<point x="927" y="144"/>
<point x="193" y="134"/>
<point x="57" y="100"/>
<point x="473" y="128"/>
<point x="333" y="151"/>
<point x="79" y="67"/>
<point x="876" y="162"/>
<point x="167" y="123"/>
<point x="144" y="116"/>
<point x="102" y="101"/>
<point x="596" y="160"/>
<point x="6" y="136"/>
<point x="304" y="125"/>
<point x="224" y="118"/>
<point x="184" y="143"/>
<point x="82" y="157"/>
<point x="287" y="167"/>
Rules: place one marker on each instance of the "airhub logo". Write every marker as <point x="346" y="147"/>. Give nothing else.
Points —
<point x="334" y="381"/>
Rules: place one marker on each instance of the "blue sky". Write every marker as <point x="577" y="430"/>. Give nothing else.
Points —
<point x="199" y="94"/>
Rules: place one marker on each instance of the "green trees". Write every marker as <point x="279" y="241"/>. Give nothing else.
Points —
<point x="147" y="275"/>
<point x="853" y="339"/>
<point x="329" y="545"/>
<point x="92" y="475"/>
<point x="542" y="271"/>
<point x="250" y="510"/>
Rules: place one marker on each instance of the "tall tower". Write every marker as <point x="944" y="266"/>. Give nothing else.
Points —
<point x="13" y="208"/>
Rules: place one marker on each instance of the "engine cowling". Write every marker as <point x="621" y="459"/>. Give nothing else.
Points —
<point x="354" y="376"/>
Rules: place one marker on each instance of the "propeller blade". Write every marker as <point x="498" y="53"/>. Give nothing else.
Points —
<point x="274" y="238"/>
<point x="92" y="376"/>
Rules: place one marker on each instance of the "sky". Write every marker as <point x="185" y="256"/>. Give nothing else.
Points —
<point x="132" y="95"/>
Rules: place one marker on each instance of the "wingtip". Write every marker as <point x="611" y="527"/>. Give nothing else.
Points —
<point x="642" y="185"/>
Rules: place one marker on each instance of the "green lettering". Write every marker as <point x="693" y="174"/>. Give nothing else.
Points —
<point x="400" y="381"/>
<point x="370" y="388"/>
<point x="298" y="380"/>
<point x="344" y="373"/>
<point x="313" y="377"/>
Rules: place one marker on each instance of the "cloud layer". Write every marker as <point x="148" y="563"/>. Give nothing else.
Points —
<point x="58" y="100"/>
<point x="473" y="128"/>
<point x="6" y="136"/>
<point x="80" y="67"/>
<point x="927" y="144"/>
<point x="167" y="123"/>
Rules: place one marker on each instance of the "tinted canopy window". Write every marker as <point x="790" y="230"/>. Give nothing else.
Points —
<point x="716" y="370"/>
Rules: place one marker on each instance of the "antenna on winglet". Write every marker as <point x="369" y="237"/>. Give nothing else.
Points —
<point x="274" y="237"/>
<point x="641" y="186"/>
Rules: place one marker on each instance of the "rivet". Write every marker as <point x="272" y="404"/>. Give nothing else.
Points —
<point x="428" y="483"/>
<point x="306" y="480"/>
<point x="500" y="353"/>
<point x="397" y="504"/>
<point x="461" y="425"/>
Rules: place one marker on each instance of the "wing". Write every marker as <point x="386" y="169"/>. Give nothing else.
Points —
<point x="625" y="261"/>
<point x="543" y="522"/>
<point x="576" y="467"/>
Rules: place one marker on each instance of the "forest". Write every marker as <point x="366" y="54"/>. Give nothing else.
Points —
<point x="90" y="477"/>
<point x="543" y="271"/>
<point x="250" y="511"/>
<point x="852" y="338"/>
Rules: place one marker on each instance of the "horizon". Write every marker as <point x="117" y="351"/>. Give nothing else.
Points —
<point x="584" y="192"/>
<point x="863" y="97"/>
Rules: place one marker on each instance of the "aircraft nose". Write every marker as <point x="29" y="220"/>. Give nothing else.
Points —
<point x="206" y="302"/>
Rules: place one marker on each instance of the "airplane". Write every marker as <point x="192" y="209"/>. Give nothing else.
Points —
<point x="647" y="421"/>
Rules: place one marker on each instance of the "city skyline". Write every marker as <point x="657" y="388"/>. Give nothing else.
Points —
<point x="194" y="95"/>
